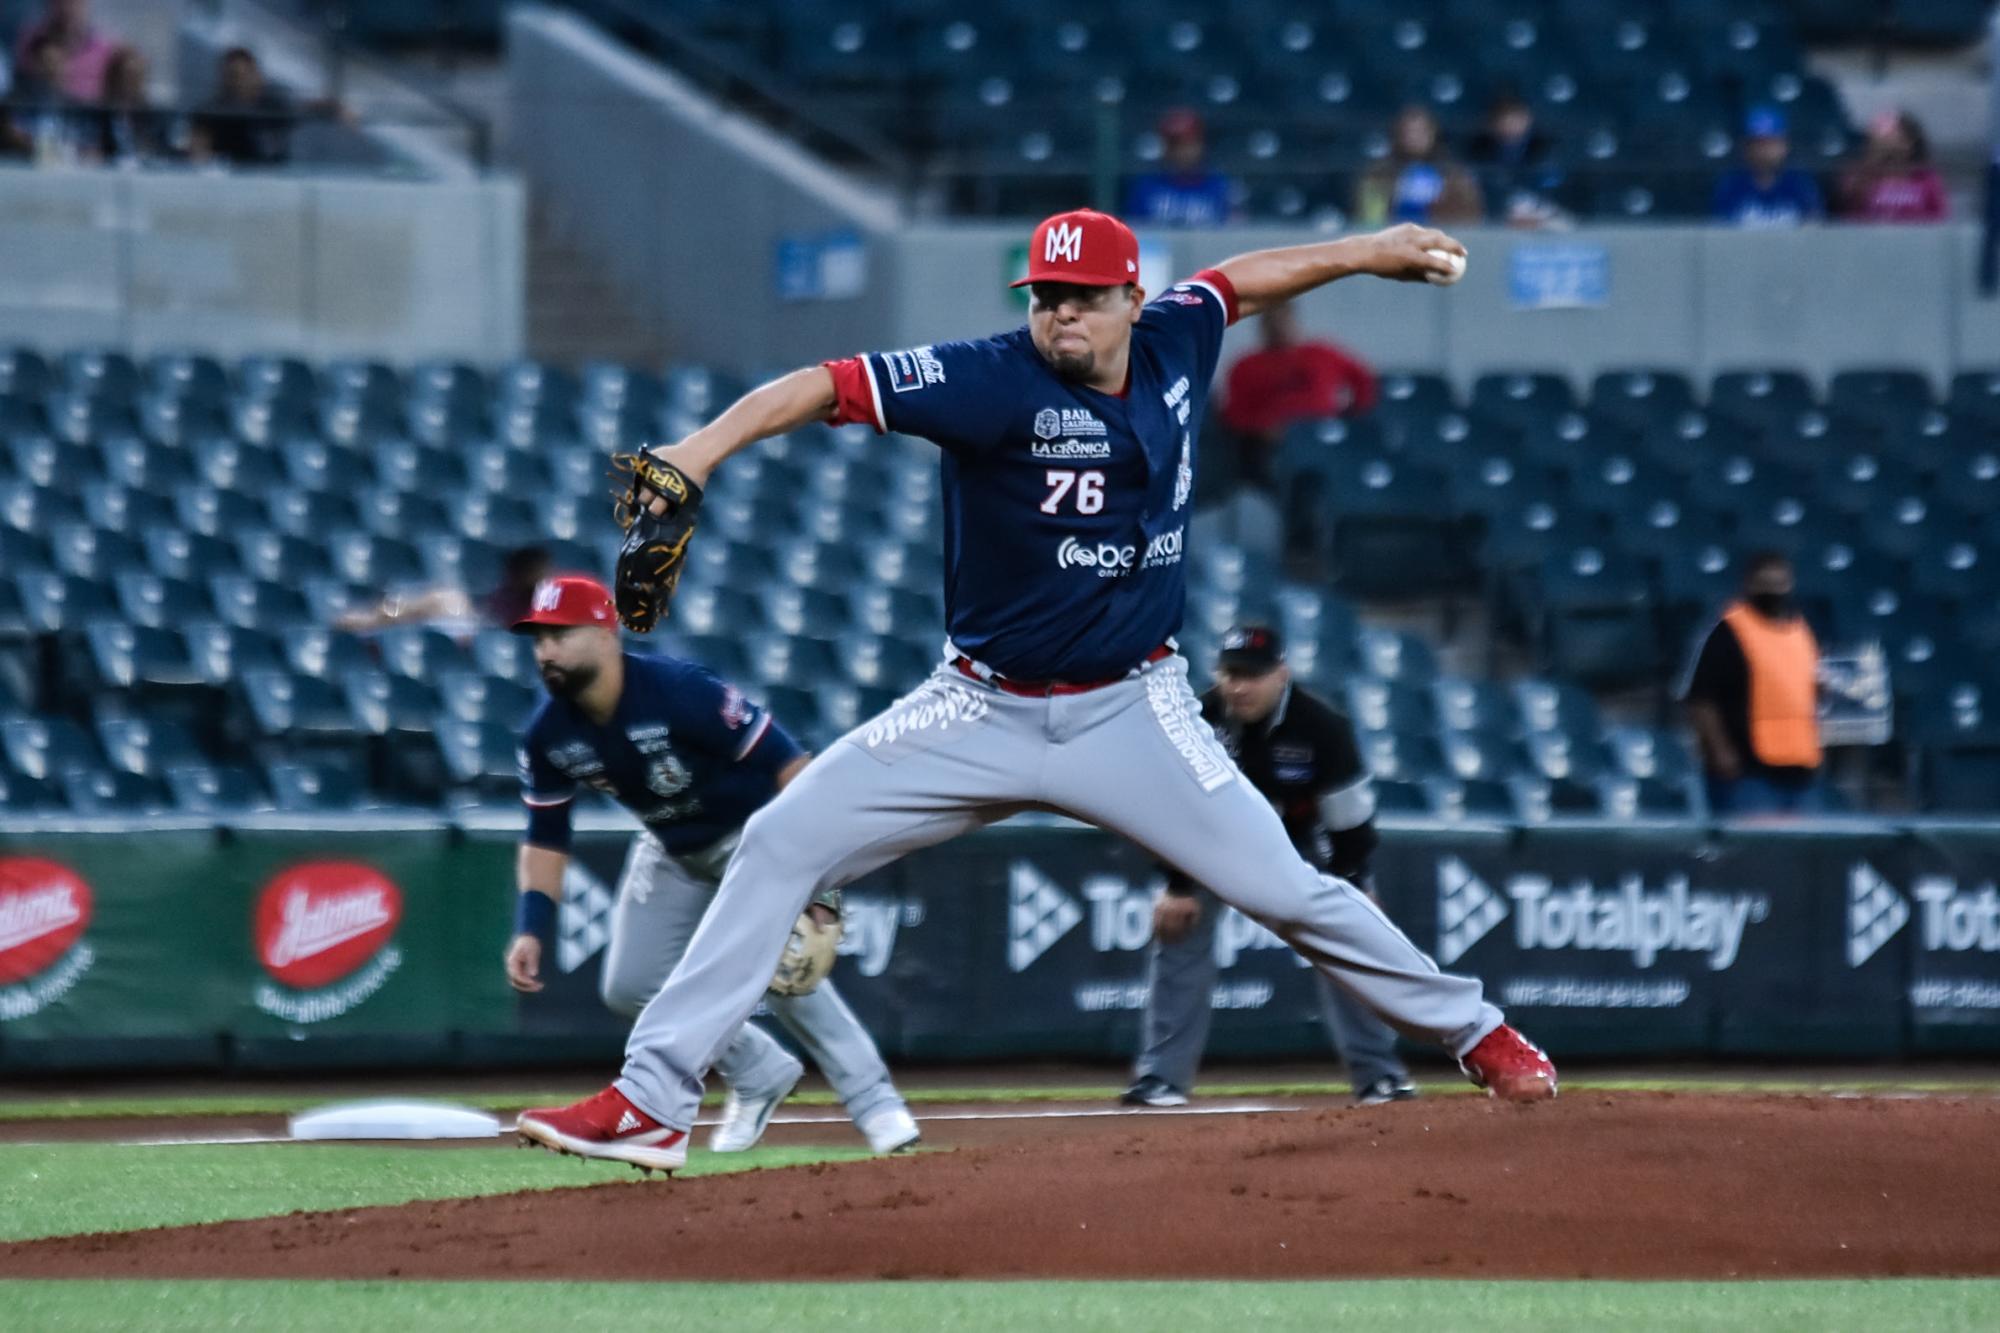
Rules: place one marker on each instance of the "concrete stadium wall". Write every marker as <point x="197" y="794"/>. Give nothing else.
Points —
<point x="316" y="266"/>
<point x="684" y="204"/>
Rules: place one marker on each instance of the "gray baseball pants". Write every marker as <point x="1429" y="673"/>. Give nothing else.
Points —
<point x="1180" y="984"/>
<point x="661" y="900"/>
<point x="1133" y="757"/>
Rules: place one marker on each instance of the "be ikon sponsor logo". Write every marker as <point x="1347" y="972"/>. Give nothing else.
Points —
<point x="1950" y="919"/>
<point x="45" y="908"/>
<point x="1112" y="560"/>
<point x="1627" y="917"/>
<point x="325" y="931"/>
<point x="1119" y="913"/>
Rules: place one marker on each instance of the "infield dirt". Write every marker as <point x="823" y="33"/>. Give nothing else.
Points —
<point x="1603" y="1185"/>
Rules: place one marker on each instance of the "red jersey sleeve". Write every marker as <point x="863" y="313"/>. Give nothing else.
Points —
<point x="855" y="397"/>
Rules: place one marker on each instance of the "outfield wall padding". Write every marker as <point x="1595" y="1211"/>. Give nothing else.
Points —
<point x="328" y="947"/>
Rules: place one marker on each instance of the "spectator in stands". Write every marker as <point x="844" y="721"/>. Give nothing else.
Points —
<point x="248" y="123"/>
<point x="1894" y="180"/>
<point x="1186" y="193"/>
<point x="1288" y="379"/>
<point x="82" y="49"/>
<point x="1753" y="699"/>
<point x="451" y="610"/>
<point x="1417" y="181"/>
<point x="130" y="129"/>
<point x="1763" y="192"/>
<point x="1515" y="164"/>
<point x="45" y="122"/>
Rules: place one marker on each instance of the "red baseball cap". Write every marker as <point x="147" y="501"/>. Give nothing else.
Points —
<point x="1083" y="246"/>
<point x="569" y="599"/>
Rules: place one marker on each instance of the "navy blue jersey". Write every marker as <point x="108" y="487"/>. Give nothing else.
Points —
<point x="1065" y="509"/>
<point x="686" y="753"/>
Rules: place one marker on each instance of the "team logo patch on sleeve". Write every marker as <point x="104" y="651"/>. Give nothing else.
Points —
<point x="913" y="369"/>
<point x="736" y="709"/>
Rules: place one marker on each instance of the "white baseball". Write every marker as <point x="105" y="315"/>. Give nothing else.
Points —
<point x="1457" y="263"/>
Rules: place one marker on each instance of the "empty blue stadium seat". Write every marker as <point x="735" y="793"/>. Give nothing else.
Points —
<point x="214" y="789"/>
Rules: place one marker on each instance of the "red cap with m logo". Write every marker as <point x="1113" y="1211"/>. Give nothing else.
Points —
<point x="1083" y="246"/>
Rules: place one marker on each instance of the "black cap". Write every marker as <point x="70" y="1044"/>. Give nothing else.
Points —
<point x="1257" y="648"/>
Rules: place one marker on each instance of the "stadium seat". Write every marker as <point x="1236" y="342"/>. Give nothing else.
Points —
<point x="1760" y="395"/>
<point x="106" y="794"/>
<point x="129" y="657"/>
<point x="1481" y="799"/>
<point x="1393" y="534"/>
<point x="47" y="748"/>
<point x="302" y="709"/>
<point x="221" y="652"/>
<point x="232" y="465"/>
<point x="1383" y="706"/>
<point x="883" y="663"/>
<point x="504" y="655"/>
<point x="214" y="513"/>
<point x="1974" y="394"/>
<point x="472" y="697"/>
<point x="257" y="604"/>
<point x="186" y="377"/>
<point x="312" y="789"/>
<point x="479" y="760"/>
<point x="1961" y="741"/>
<point x="1561" y="757"/>
<point x="1400" y="756"/>
<point x="61" y="603"/>
<point x="214" y="789"/>
<point x="24" y="371"/>
<point x="85" y="552"/>
<point x="113" y="508"/>
<point x="420" y="653"/>
<point x="23" y="795"/>
<point x="145" y="746"/>
<point x="314" y="465"/>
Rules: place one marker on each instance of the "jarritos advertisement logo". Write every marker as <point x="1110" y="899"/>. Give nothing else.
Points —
<point x="325" y="932"/>
<point x="44" y="911"/>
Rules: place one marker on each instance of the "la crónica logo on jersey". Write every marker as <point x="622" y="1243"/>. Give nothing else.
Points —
<point x="325" y="935"/>
<point x="45" y="909"/>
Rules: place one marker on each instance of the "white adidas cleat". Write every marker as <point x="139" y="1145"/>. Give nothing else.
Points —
<point x="744" y="1119"/>
<point x="889" y="1130"/>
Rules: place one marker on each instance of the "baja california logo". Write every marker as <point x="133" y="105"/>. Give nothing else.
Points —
<point x="1047" y="424"/>
<point x="323" y="932"/>
<point x="44" y="910"/>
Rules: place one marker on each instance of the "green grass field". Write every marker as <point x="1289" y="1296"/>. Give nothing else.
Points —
<point x="67" y="1188"/>
<point x="1111" y="1306"/>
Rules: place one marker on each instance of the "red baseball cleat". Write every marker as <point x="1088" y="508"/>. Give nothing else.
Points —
<point x="1510" y="1067"/>
<point x="607" y="1126"/>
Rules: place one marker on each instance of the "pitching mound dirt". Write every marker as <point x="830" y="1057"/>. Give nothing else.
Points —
<point x="1596" y="1185"/>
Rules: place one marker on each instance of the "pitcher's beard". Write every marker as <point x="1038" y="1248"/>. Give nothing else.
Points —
<point x="1073" y="365"/>
<point x="568" y="682"/>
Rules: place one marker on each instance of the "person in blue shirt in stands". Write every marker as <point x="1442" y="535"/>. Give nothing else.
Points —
<point x="1764" y="192"/>
<point x="1185" y="193"/>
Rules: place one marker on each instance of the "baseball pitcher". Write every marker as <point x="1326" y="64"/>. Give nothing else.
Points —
<point x="1068" y="450"/>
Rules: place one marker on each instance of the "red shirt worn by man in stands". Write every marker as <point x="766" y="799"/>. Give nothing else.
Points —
<point x="1289" y="380"/>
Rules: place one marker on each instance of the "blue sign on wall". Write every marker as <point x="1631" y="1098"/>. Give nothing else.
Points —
<point x="1565" y="276"/>
<point x="822" y="266"/>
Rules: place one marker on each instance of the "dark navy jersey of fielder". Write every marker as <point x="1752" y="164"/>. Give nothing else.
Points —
<point x="686" y="753"/>
<point x="1065" y="508"/>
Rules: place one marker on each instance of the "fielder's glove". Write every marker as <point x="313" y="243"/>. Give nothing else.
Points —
<point x="654" y="551"/>
<point x="809" y="956"/>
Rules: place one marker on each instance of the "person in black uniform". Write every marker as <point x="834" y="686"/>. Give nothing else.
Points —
<point x="1299" y="751"/>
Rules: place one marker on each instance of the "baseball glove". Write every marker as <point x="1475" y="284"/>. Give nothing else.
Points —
<point x="809" y="956"/>
<point x="655" y="547"/>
